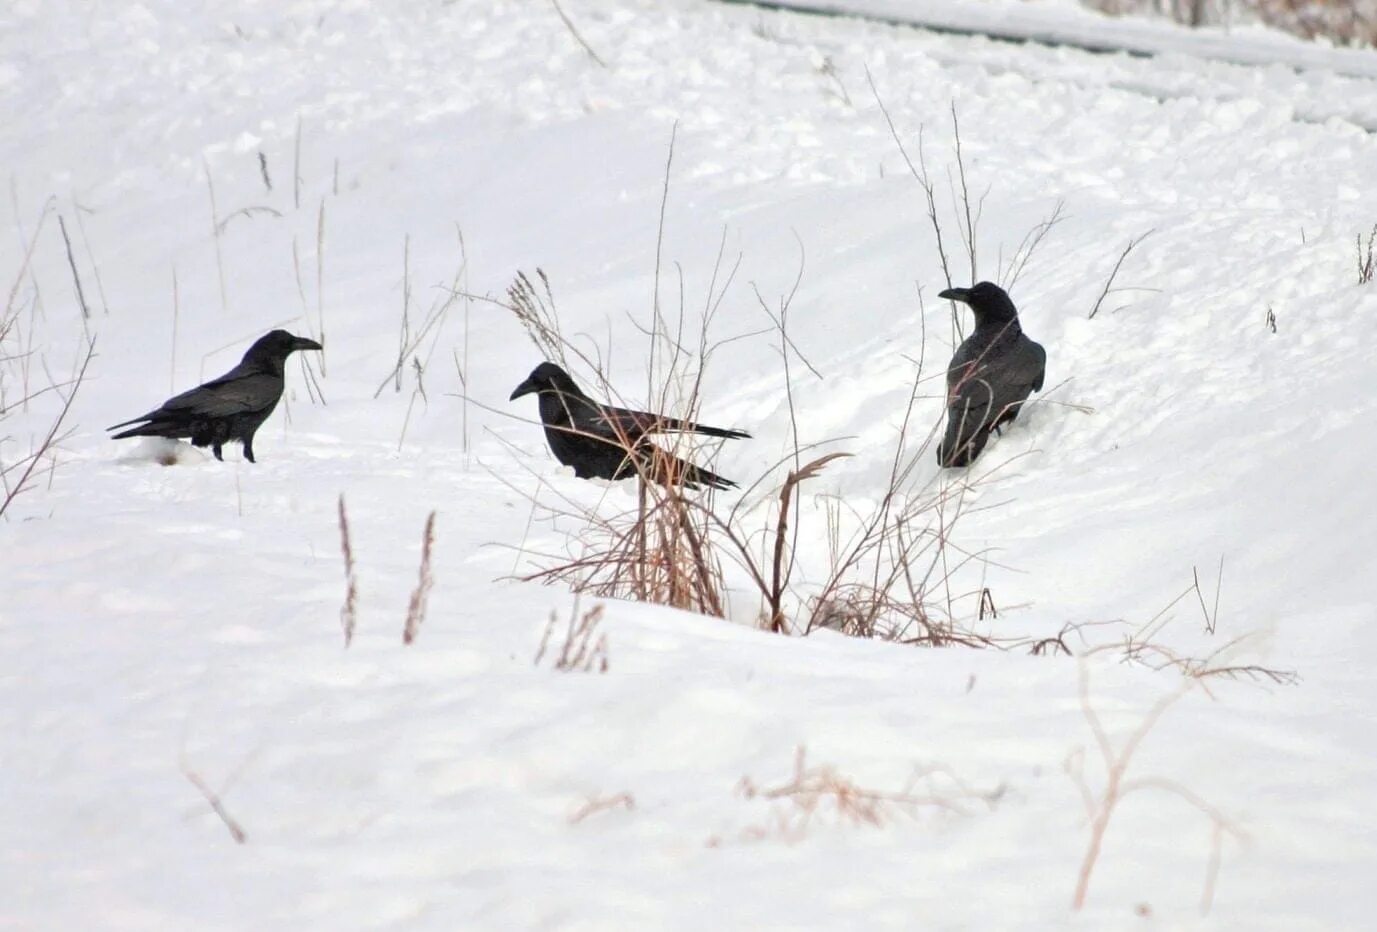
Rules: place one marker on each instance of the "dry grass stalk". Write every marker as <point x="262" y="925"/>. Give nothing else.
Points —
<point x="409" y="339"/>
<point x="596" y="804"/>
<point x="1366" y="267"/>
<point x="416" y="610"/>
<point x="250" y="212"/>
<point x="91" y="255"/>
<point x="580" y="652"/>
<point x="320" y="279"/>
<point x="1114" y="272"/>
<point x="215" y="231"/>
<point x="71" y="262"/>
<point x="217" y="805"/>
<point x="778" y="577"/>
<point x="296" y="166"/>
<point x="348" y="613"/>
<point x="568" y="24"/>
<point x="1029" y="245"/>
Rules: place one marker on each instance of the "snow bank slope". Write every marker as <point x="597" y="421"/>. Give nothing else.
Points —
<point x="157" y="620"/>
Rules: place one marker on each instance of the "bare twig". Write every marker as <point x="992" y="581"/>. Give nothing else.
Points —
<point x="1366" y="267"/>
<point x="76" y="276"/>
<point x="235" y="829"/>
<point x="215" y="235"/>
<point x="568" y="24"/>
<point x="247" y="212"/>
<point x="1109" y="282"/>
<point x="596" y="804"/>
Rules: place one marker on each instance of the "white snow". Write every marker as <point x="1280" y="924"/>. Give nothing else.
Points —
<point x="157" y="620"/>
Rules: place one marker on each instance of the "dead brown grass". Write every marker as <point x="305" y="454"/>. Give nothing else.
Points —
<point x="349" y="611"/>
<point x="820" y="795"/>
<point x="583" y="648"/>
<point x="1344" y="22"/>
<point x="416" y="609"/>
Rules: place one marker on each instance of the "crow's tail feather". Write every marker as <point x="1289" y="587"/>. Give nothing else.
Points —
<point x="151" y="429"/>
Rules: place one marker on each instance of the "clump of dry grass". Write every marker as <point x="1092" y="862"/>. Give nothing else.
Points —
<point x="889" y="568"/>
<point x="1345" y="22"/>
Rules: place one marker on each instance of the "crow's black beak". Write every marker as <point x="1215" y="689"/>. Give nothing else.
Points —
<point x="956" y="294"/>
<point x="525" y="388"/>
<point x="303" y="343"/>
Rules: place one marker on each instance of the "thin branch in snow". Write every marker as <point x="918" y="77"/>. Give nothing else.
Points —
<point x="1132" y="244"/>
<point x="568" y="24"/>
<point x="76" y="276"/>
<point x="596" y="804"/>
<point x="217" y="805"/>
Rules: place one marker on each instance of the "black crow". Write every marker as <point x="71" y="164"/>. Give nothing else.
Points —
<point x="603" y="442"/>
<point x="231" y="407"/>
<point x="991" y="375"/>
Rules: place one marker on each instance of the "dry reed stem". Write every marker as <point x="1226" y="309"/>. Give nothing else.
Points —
<point x="215" y="237"/>
<point x="568" y="24"/>
<point x="71" y="262"/>
<point x="416" y="610"/>
<point x="1366" y="266"/>
<point x="348" y="613"/>
<point x="296" y="166"/>
<point x="1109" y="282"/>
<point x="320" y="279"/>
<point x="217" y="805"/>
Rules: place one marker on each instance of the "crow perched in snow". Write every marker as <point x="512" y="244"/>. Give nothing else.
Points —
<point x="991" y="375"/>
<point x="231" y="407"/>
<point x="603" y="442"/>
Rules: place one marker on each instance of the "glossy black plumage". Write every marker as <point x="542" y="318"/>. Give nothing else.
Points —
<point x="230" y="408"/>
<point x="991" y="375"/>
<point x="605" y="442"/>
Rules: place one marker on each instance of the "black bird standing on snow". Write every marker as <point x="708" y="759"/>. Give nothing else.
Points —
<point x="603" y="442"/>
<point x="991" y="375"/>
<point x="231" y="407"/>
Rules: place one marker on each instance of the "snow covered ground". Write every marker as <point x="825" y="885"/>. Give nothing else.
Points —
<point x="158" y="621"/>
